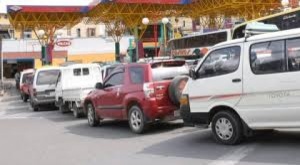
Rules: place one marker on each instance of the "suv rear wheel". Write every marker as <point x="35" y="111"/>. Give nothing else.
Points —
<point x="93" y="120"/>
<point x="227" y="128"/>
<point x="136" y="120"/>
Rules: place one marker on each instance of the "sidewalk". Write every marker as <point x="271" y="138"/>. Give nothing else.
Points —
<point x="8" y="84"/>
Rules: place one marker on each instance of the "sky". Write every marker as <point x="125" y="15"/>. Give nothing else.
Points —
<point x="3" y="3"/>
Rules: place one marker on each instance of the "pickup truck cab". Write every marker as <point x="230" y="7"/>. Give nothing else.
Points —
<point x="137" y="93"/>
<point x="256" y="87"/>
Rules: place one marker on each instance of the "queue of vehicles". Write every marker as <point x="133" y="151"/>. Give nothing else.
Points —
<point x="142" y="93"/>
<point x="239" y="87"/>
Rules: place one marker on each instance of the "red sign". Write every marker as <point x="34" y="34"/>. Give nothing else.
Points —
<point x="63" y="43"/>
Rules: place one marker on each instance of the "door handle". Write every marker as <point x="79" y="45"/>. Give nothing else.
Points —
<point x="236" y="80"/>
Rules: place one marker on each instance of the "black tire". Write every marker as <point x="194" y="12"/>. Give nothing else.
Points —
<point x="92" y="117"/>
<point x="25" y="98"/>
<point x="137" y="120"/>
<point x="63" y="107"/>
<point x="34" y="107"/>
<point x="175" y="89"/>
<point x="77" y="113"/>
<point x="234" y="133"/>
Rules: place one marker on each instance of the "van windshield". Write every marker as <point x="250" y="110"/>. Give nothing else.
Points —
<point x="47" y="77"/>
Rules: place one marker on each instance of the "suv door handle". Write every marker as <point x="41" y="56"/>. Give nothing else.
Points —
<point x="236" y="80"/>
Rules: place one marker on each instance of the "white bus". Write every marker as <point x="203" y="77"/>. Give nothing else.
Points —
<point x="196" y="46"/>
<point x="284" y="21"/>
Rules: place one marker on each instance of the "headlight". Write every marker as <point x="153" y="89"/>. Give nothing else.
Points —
<point x="184" y="100"/>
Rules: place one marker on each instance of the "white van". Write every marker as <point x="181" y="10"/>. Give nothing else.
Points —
<point x="256" y="88"/>
<point x="42" y="91"/>
<point x="74" y="84"/>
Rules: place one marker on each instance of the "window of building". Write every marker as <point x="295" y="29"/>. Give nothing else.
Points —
<point x="293" y="54"/>
<point x="27" y="34"/>
<point x="268" y="57"/>
<point x="78" y="32"/>
<point x="85" y="71"/>
<point x="77" y="72"/>
<point x="220" y="62"/>
<point x="91" y="32"/>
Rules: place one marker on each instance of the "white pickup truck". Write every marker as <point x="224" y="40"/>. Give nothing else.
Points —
<point x="74" y="83"/>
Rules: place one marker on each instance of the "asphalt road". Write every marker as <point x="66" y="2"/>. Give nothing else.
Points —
<point x="48" y="137"/>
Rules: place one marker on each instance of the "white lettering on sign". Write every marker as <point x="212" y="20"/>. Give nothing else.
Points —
<point x="63" y="43"/>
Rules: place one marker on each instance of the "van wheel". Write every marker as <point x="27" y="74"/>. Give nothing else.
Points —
<point x="227" y="128"/>
<point x="33" y="106"/>
<point x="24" y="98"/>
<point x="93" y="120"/>
<point x="137" y="120"/>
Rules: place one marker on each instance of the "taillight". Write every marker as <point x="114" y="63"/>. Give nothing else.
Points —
<point x="149" y="90"/>
<point x="34" y="92"/>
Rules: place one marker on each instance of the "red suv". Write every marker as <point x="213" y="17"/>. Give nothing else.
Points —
<point x="136" y="92"/>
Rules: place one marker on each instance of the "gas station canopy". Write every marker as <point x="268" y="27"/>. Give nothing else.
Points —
<point x="44" y="16"/>
<point x="131" y="12"/>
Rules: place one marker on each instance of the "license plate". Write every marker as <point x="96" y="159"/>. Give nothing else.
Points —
<point x="177" y="113"/>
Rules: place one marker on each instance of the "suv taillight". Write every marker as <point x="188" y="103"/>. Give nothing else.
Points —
<point x="34" y="92"/>
<point x="149" y="90"/>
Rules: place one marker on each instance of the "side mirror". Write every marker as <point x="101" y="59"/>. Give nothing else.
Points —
<point x="99" y="86"/>
<point x="193" y="74"/>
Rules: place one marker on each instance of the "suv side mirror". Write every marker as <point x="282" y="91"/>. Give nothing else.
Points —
<point x="192" y="74"/>
<point x="99" y="86"/>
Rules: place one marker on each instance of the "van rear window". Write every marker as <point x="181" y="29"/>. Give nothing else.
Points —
<point x="25" y="76"/>
<point x="47" y="77"/>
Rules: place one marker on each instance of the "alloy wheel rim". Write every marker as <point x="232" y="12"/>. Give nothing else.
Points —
<point x="224" y="129"/>
<point x="136" y="120"/>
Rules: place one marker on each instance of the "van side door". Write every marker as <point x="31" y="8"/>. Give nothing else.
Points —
<point x="218" y="80"/>
<point x="271" y="84"/>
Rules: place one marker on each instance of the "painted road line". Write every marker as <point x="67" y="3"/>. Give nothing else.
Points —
<point x="234" y="157"/>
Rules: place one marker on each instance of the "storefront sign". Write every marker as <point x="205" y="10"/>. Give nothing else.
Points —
<point x="63" y="43"/>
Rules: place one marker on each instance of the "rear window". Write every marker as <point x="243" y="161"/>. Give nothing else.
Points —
<point x="168" y="64"/>
<point x="77" y="72"/>
<point x="167" y="70"/>
<point x="85" y="71"/>
<point x="25" y="76"/>
<point x="47" y="77"/>
<point x="136" y="75"/>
